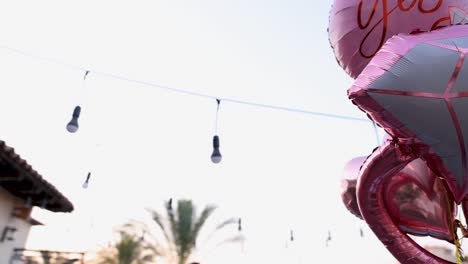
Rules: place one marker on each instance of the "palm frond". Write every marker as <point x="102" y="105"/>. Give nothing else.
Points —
<point x="182" y="227"/>
<point x="159" y="219"/>
<point x="225" y="223"/>
<point x="220" y="226"/>
<point x="128" y="249"/>
<point x="172" y="220"/>
<point x="200" y="222"/>
<point x="153" y="249"/>
<point x="185" y="217"/>
<point x="234" y="239"/>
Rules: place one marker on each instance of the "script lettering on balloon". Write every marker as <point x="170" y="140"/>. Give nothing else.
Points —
<point x="378" y="25"/>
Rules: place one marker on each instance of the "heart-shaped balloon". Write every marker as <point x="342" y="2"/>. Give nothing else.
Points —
<point x="416" y="88"/>
<point x="348" y="185"/>
<point x="358" y="28"/>
<point x="397" y="196"/>
<point x="419" y="203"/>
<point x="415" y="199"/>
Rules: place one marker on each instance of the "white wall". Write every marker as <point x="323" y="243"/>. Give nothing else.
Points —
<point x="7" y="202"/>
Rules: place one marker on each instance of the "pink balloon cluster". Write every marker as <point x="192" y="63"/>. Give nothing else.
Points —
<point x="410" y="64"/>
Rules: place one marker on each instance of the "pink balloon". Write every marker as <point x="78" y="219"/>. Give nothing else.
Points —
<point x="351" y="169"/>
<point x="386" y="138"/>
<point x="416" y="88"/>
<point x="348" y="185"/>
<point x="392" y="210"/>
<point x="417" y="201"/>
<point x="414" y="198"/>
<point x="358" y="28"/>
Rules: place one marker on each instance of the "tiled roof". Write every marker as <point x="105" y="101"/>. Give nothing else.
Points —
<point x="21" y="180"/>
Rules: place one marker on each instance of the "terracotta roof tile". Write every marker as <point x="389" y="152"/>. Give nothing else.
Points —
<point x="56" y="201"/>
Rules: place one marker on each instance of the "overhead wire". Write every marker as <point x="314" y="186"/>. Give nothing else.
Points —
<point x="179" y="90"/>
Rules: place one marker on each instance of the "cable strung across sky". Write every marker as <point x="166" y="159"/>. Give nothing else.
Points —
<point x="178" y="90"/>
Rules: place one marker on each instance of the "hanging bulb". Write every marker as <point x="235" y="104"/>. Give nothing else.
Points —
<point x="86" y="183"/>
<point x="239" y="225"/>
<point x="329" y="238"/>
<point x="216" y="156"/>
<point x="72" y="126"/>
<point x="291" y="236"/>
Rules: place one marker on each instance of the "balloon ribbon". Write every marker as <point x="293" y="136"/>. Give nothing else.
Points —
<point x="460" y="255"/>
<point x="454" y="225"/>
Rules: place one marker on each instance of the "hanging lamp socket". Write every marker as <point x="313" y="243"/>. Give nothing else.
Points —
<point x="73" y="126"/>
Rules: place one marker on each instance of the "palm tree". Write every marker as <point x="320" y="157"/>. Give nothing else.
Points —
<point x="51" y="257"/>
<point x="181" y="229"/>
<point x="129" y="249"/>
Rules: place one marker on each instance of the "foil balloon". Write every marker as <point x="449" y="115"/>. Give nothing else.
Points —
<point x="349" y="182"/>
<point x="418" y="202"/>
<point x="348" y="185"/>
<point x="409" y="58"/>
<point x="358" y="28"/>
<point x="397" y="196"/>
<point x="414" y="198"/>
<point x="416" y="88"/>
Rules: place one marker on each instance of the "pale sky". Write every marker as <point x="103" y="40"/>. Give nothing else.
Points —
<point x="143" y="145"/>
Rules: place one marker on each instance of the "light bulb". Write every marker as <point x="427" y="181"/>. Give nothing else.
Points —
<point x="72" y="126"/>
<point x="85" y="184"/>
<point x="216" y="155"/>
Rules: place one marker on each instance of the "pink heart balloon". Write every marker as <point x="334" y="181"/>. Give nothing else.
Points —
<point x="397" y="196"/>
<point x="418" y="202"/>
<point x="414" y="197"/>
<point x="358" y="28"/>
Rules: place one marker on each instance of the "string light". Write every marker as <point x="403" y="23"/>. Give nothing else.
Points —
<point x="239" y="225"/>
<point x="179" y="90"/>
<point x="73" y="126"/>
<point x="86" y="183"/>
<point x="329" y="238"/>
<point x="216" y="156"/>
<point x="291" y="236"/>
